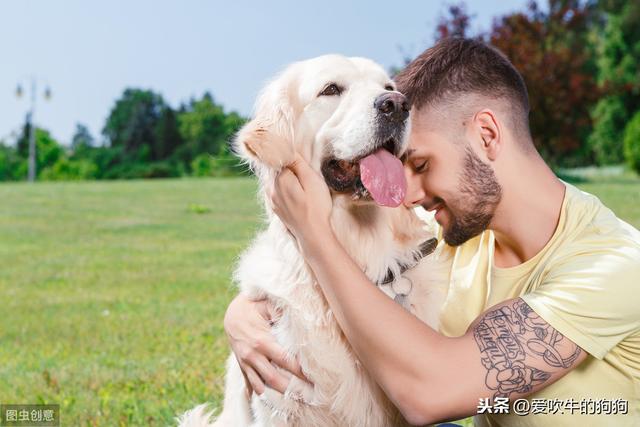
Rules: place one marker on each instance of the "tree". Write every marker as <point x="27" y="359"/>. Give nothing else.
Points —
<point x="205" y="129"/>
<point x="632" y="143"/>
<point x="143" y="125"/>
<point x="81" y="138"/>
<point x="12" y="166"/>
<point x="552" y="51"/>
<point x="167" y="134"/>
<point x="22" y="143"/>
<point x="48" y="150"/>
<point x="82" y="143"/>
<point x="65" y="169"/>
<point x="455" y="24"/>
<point x="619" y="78"/>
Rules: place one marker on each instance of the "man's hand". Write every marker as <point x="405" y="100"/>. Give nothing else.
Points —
<point x="302" y="200"/>
<point x="247" y="324"/>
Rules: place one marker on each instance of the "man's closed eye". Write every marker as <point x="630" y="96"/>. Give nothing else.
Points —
<point x="421" y="167"/>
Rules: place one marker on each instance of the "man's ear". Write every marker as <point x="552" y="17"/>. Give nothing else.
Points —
<point x="268" y="139"/>
<point x="487" y="128"/>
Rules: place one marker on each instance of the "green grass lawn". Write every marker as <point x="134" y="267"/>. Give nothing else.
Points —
<point x="112" y="293"/>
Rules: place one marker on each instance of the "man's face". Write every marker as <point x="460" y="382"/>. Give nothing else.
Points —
<point x="446" y="175"/>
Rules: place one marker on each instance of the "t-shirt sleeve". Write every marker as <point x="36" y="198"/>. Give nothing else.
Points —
<point x="593" y="299"/>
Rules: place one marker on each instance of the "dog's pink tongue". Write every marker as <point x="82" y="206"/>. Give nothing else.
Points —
<point x="382" y="174"/>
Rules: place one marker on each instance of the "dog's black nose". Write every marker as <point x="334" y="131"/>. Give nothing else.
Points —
<point x="393" y="105"/>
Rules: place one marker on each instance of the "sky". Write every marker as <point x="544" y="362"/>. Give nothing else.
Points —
<point x="88" y="52"/>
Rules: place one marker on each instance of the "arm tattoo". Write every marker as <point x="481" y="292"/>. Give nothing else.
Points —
<point x="506" y="336"/>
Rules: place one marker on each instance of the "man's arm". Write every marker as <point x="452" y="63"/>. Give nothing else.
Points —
<point x="508" y="351"/>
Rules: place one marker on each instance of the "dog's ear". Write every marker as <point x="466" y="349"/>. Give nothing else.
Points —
<point x="268" y="139"/>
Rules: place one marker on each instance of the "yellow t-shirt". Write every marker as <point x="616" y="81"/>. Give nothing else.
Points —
<point x="586" y="284"/>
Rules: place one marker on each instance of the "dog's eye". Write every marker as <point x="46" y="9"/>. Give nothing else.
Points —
<point x="389" y="87"/>
<point x="331" y="90"/>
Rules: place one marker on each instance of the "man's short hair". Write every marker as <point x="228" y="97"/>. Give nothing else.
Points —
<point x="456" y="66"/>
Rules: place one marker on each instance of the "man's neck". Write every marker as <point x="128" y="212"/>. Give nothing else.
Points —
<point x="528" y="214"/>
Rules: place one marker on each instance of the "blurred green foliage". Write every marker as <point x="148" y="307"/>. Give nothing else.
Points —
<point x="618" y="62"/>
<point x="144" y="137"/>
<point x="632" y="143"/>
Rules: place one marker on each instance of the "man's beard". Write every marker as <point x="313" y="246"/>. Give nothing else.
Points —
<point x="478" y="195"/>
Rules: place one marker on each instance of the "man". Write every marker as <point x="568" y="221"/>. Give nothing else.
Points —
<point x="545" y="280"/>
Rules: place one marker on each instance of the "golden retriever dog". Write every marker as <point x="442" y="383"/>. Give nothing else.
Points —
<point x="344" y="116"/>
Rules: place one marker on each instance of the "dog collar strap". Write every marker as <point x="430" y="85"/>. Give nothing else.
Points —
<point x="425" y="249"/>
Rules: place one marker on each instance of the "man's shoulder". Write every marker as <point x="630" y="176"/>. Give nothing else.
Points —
<point x="595" y="226"/>
<point x="598" y="251"/>
<point x="594" y="269"/>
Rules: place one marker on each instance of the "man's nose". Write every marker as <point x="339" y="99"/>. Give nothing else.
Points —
<point x="415" y="193"/>
<point x="392" y="105"/>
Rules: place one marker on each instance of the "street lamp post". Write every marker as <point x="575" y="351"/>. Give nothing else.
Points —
<point x="31" y="123"/>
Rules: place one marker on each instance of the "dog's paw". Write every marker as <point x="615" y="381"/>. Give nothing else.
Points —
<point x="301" y="391"/>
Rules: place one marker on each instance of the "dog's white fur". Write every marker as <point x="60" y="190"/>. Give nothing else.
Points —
<point x="290" y="116"/>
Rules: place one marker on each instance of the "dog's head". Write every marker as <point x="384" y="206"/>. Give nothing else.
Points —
<point x="344" y="116"/>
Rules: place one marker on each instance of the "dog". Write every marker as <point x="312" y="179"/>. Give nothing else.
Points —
<point x="344" y="116"/>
